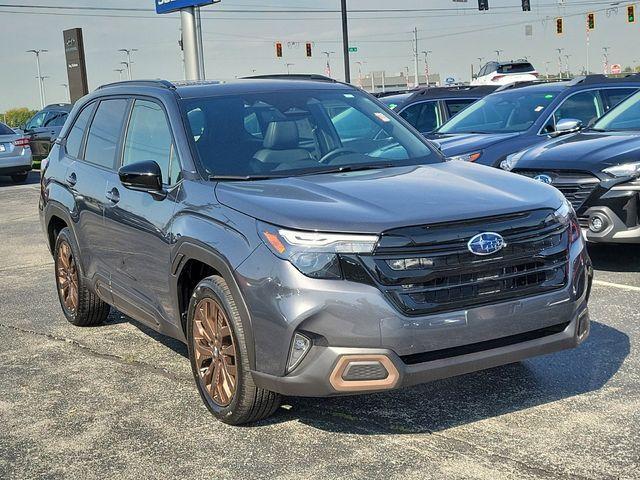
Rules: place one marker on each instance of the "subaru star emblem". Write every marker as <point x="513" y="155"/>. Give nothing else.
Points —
<point x="486" y="243"/>
<point x="544" y="179"/>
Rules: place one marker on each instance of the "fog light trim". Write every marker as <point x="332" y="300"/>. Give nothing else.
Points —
<point x="300" y="346"/>
<point x="341" y="385"/>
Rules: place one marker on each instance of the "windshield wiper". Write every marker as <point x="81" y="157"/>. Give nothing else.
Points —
<point x="349" y="168"/>
<point x="241" y="178"/>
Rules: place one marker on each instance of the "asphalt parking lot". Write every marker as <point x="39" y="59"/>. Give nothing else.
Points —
<point x="118" y="401"/>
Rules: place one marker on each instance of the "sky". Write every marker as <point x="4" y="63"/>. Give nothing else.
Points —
<point x="239" y="38"/>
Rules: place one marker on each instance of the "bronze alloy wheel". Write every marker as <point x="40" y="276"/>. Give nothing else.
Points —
<point x="215" y="351"/>
<point x="67" y="273"/>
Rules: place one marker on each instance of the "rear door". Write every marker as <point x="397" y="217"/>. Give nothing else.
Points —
<point x="137" y="224"/>
<point x="87" y="178"/>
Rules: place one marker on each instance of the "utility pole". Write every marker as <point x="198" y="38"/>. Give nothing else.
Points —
<point x="560" y="50"/>
<point x="40" y="80"/>
<point x="605" y="59"/>
<point x="426" y="65"/>
<point x="128" y="52"/>
<point x="498" y="52"/>
<point x="66" y="90"/>
<point x="119" y="70"/>
<point x="345" y="42"/>
<point x="415" y="56"/>
<point x="328" y="68"/>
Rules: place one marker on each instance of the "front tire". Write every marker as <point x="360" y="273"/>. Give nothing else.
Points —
<point x="219" y="359"/>
<point x="80" y="305"/>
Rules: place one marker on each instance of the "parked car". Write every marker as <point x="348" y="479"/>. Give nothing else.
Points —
<point x="15" y="154"/>
<point x="294" y="258"/>
<point x="44" y="127"/>
<point x="428" y="108"/>
<point x="504" y="73"/>
<point x="598" y="170"/>
<point x="520" y="116"/>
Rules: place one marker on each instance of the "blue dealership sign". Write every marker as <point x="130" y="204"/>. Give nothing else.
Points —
<point x="168" y="6"/>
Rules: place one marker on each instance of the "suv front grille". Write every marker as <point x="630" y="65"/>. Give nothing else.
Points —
<point x="576" y="187"/>
<point x="534" y="261"/>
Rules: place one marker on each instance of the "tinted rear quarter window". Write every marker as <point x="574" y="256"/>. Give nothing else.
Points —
<point x="104" y="133"/>
<point x="4" y="130"/>
<point x="76" y="134"/>
<point x="457" y="105"/>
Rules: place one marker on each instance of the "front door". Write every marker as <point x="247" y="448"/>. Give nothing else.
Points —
<point x="138" y="223"/>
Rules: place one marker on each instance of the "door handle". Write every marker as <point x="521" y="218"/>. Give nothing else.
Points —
<point x="113" y="195"/>
<point x="72" y="179"/>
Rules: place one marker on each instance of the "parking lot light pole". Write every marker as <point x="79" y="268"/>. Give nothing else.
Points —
<point x="128" y="52"/>
<point x="119" y="70"/>
<point x="40" y="80"/>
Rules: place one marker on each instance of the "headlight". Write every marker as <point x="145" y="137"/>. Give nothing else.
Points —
<point x="315" y="254"/>
<point x="624" y="170"/>
<point x="510" y="162"/>
<point x="467" y="157"/>
<point x="566" y="215"/>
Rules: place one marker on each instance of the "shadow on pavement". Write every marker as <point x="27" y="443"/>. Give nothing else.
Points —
<point x="33" y="179"/>
<point x="469" y="398"/>
<point x="615" y="258"/>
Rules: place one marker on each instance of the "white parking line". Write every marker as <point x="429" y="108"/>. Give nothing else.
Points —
<point x="617" y="285"/>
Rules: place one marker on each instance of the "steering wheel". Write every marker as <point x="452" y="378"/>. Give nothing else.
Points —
<point x="335" y="154"/>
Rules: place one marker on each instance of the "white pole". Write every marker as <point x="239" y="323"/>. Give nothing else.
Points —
<point x="415" y="56"/>
<point x="190" y="44"/>
<point x="43" y="100"/>
<point x="200" y="44"/>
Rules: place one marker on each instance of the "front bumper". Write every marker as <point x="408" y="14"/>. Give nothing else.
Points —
<point x="347" y="318"/>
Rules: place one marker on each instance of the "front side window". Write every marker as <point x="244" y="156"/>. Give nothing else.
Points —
<point x="104" y="133"/>
<point x="73" y="144"/>
<point x="149" y="139"/>
<point x="504" y="112"/>
<point x="624" y="117"/>
<point x="424" y="116"/>
<point x="299" y="132"/>
<point x="56" y="119"/>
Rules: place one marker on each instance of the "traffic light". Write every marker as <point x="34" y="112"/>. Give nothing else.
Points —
<point x="591" y="21"/>
<point x="559" y="26"/>
<point x="526" y="5"/>
<point x="309" y="50"/>
<point x="631" y="13"/>
<point x="483" y="4"/>
<point x="279" y="49"/>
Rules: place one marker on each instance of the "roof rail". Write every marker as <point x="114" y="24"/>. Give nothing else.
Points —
<point x="141" y="83"/>
<point x="292" y="76"/>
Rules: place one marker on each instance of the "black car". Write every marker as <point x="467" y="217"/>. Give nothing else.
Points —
<point x="428" y="108"/>
<point x="519" y="116"/>
<point x="598" y="171"/>
<point x="44" y="127"/>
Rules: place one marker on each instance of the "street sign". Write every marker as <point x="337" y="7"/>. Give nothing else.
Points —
<point x="168" y="6"/>
<point x="616" y="69"/>
<point x="353" y="49"/>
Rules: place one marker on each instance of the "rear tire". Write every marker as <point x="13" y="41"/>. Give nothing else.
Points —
<point x="80" y="305"/>
<point x="219" y="359"/>
<point x="19" y="177"/>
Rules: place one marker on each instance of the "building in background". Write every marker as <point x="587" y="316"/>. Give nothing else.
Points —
<point x="382" y="82"/>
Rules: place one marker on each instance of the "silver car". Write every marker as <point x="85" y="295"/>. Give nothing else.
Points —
<point x="15" y="154"/>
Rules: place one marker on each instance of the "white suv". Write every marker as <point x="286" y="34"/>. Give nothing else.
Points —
<point x="495" y="73"/>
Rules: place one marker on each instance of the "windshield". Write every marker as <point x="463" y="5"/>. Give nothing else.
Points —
<point x="625" y="116"/>
<point x="299" y="132"/>
<point x="503" y="112"/>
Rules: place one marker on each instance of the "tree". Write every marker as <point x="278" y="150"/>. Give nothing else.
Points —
<point x="17" y="116"/>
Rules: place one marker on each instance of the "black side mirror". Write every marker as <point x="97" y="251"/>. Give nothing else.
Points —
<point x="142" y="176"/>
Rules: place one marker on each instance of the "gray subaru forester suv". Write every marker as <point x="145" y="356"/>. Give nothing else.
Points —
<point x="302" y="239"/>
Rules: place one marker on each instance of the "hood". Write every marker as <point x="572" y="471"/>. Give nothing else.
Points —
<point x="377" y="200"/>
<point x="458" y="144"/>
<point x="587" y="151"/>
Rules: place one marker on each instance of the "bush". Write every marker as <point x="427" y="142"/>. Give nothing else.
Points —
<point x="17" y="116"/>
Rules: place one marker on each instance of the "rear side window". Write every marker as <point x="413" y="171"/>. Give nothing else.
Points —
<point x="149" y="138"/>
<point x="613" y="96"/>
<point x="424" y="116"/>
<point x="76" y="134"/>
<point x="104" y="133"/>
<point x="4" y="130"/>
<point x="455" y="106"/>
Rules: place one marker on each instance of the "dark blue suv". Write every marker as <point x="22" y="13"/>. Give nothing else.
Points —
<point x="519" y="116"/>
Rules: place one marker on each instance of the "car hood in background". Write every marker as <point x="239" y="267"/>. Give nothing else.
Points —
<point x="587" y="151"/>
<point x="377" y="200"/>
<point x="458" y="144"/>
